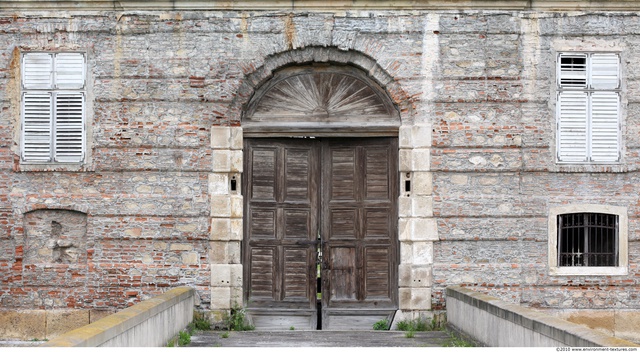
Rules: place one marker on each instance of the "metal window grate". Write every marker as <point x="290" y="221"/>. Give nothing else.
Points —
<point x="587" y="239"/>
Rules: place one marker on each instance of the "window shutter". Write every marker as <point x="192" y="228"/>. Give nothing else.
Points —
<point x="604" y="71"/>
<point x="69" y="71"/>
<point x="572" y="126"/>
<point x="37" y="71"/>
<point x="573" y="70"/>
<point x="69" y="143"/>
<point x="605" y="126"/>
<point x="36" y="143"/>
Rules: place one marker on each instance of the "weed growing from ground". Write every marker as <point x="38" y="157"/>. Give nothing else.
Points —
<point x="457" y="341"/>
<point x="184" y="338"/>
<point x="419" y="324"/>
<point x="199" y="323"/>
<point x="381" y="325"/>
<point x="237" y="320"/>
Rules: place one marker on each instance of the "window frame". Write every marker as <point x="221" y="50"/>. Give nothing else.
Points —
<point x="622" y="232"/>
<point x="58" y="90"/>
<point x="588" y="90"/>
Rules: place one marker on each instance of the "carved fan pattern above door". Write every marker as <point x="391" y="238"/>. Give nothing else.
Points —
<point x="320" y="100"/>
<point x="320" y="95"/>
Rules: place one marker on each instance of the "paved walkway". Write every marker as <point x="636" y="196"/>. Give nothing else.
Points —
<point x="318" y="339"/>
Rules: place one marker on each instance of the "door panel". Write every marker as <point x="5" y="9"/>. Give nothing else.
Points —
<point x="262" y="273"/>
<point x="347" y="193"/>
<point x="281" y="197"/>
<point x="343" y="279"/>
<point x="377" y="285"/>
<point x="296" y="276"/>
<point x="359" y="231"/>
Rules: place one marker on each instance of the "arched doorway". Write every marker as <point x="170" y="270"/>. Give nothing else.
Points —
<point x="320" y="188"/>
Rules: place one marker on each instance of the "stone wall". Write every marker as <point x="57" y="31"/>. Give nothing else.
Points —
<point x="475" y="93"/>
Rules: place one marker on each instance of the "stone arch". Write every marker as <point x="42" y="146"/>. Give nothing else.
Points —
<point x="369" y="68"/>
<point x="22" y="210"/>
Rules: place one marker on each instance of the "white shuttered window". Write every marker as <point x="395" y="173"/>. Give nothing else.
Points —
<point x="53" y="107"/>
<point x="588" y="108"/>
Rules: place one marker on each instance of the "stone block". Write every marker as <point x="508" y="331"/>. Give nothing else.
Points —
<point x="235" y="275"/>
<point x="425" y="229"/>
<point x="190" y="258"/>
<point x="236" y="230"/>
<point x="221" y="160"/>
<point x="405" y="160"/>
<point x="404" y="298"/>
<point x="220" y="206"/>
<point x="220" y="297"/>
<point x="62" y="321"/>
<point x="235" y="134"/>
<point x="418" y="298"/>
<point x="406" y="252"/>
<point x="404" y="137"/>
<point x="415" y="298"/>
<point x="418" y="229"/>
<point x="181" y="247"/>
<point x="415" y="275"/>
<point x="225" y="252"/>
<point x="236" y="161"/>
<point x="227" y="161"/>
<point x="220" y="275"/>
<point x="220" y="137"/>
<point x="236" y="206"/>
<point x="220" y="229"/>
<point x="415" y="206"/>
<point x="416" y="136"/>
<point x="422" y="252"/>
<point x="422" y="206"/>
<point x="422" y="183"/>
<point x="226" y="275"/>
<point x="405" y="207"/>
<point x="23" y="324"/>
<point x="421" y="160"/>
<point x="218" y="183"/>
<point x="405" y="226"/>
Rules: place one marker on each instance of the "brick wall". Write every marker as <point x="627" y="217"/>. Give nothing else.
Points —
<point x="159" y="82"/>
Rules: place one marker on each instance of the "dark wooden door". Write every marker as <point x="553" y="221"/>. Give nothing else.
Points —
<point x="359" y="232"/>
<point x="281" y="228"/>
<point x="331" y="197"/>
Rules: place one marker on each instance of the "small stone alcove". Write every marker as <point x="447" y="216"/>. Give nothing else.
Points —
<point x="55" y="236"/>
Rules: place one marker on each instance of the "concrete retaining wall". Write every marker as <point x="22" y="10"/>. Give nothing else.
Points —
<point x="150" y="323"/>
<point x="496" y="323"/>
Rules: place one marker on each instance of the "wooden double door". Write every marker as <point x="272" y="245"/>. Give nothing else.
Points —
<point x="320" y="245"/>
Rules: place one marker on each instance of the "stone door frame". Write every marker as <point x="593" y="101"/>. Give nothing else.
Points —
<point x="417" y="227"/>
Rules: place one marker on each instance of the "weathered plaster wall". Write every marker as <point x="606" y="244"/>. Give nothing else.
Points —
<point x="475" y="93"/>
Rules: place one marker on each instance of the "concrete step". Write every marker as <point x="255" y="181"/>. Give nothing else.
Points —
<point x="318" y="339"/>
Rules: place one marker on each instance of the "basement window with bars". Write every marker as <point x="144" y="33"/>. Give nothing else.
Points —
<point x="53" y="107"/>
<point x="588" y="108"/>
<point x="588" y="240"/>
